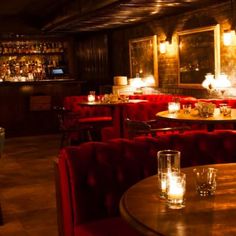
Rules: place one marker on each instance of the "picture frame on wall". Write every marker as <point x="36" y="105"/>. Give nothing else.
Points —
<point x="199" y="54"/>
<point x="143" y="57"/>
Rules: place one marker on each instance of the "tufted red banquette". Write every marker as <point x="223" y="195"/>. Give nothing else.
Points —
<point x="71" y="103"/>
<point x="85" y="117"/>
<point x="93" y="176"/>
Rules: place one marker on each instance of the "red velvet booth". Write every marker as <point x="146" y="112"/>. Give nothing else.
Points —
<point x="138" y="111"/>
<point x="85" y="118"/>
<point x="92" y="177"/>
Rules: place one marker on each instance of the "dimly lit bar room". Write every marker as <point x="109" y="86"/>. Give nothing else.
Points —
<point x="117" y="117"/>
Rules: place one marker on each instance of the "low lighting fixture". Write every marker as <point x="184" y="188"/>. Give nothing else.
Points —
<point x="149" y="81"/>
<point x="163" y="46"/>
<point x="229" y="34"/>
<point x="209" y="82"/>
<point x="228" y="37"/>
<point x="222" y="83"/>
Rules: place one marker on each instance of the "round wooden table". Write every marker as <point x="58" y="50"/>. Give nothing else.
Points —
<point x="142" y="208"/>
<point x="117" y="109"/>
<point x="217" y="118"/>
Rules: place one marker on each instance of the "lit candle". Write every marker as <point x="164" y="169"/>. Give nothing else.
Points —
<point x="173" y="107"/>
<point x="176" y="190"/>
<point x="91" y="98"/>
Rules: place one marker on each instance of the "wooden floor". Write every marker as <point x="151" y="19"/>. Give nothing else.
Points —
<point x="27" y="191"/>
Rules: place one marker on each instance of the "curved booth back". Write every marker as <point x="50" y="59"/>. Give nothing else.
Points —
<point x="93" y="176"/>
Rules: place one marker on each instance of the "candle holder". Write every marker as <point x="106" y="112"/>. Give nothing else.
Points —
<point x="173" y="107"/>
<point x="176" y="185"/>
<point x="91" y="96"/>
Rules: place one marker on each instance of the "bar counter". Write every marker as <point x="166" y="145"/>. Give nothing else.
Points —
<point x="26" y="107"/>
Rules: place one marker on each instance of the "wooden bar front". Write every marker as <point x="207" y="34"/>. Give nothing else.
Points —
<point x="26" y="108"/>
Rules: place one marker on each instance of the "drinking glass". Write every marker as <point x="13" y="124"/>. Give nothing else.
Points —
<point x="167" y="161"/>
<point x="187" y="108"/>
<point x="227" y="111"/>
<point x="205" y="180"/>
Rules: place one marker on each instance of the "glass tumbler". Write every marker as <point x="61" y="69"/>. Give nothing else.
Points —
<point x="167" y="161"/>
<point x="205" y="179"/>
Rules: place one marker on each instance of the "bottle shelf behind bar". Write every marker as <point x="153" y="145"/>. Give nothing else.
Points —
<point x="32" y="60"/>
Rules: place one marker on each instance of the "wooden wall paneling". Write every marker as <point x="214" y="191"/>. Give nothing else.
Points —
<point x="92" y="61"/>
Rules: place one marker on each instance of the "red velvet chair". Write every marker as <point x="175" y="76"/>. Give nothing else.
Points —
<point x="91" y="178"/>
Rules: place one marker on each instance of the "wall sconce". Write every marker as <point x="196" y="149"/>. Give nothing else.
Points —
<point x="209" y="82"/>
<point x="228" y="36"/>
<point x="163" y="46"/>
<point x="221" y="83"/>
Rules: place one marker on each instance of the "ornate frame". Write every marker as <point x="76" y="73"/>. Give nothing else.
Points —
<point x="143" y="57"/>
<point x="199" y="54"/>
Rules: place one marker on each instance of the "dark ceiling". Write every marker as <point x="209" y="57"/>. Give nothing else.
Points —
<point x="88" y="15"/>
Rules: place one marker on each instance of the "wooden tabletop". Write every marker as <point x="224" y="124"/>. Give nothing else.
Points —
<point x="142" y="208"/>
<point x="193" y="117"/>
<point x="114" y="103"/>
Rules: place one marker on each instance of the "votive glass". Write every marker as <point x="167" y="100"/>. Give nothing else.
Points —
<point x="227" y="111"/>
<point x="91" y="96"/>
<point x="176" y="188"/>
<point x="173" y="107"/>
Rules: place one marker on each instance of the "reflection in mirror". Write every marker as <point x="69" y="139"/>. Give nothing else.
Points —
<point x="199" y="54"/>
<point x="143" y="58"/>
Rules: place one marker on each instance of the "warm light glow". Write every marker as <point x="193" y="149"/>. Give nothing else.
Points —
<point x="149" y="81"/>
<point x="136" y="82"/>
<point x="176" y="184"/>
<point x="173" y="107"/>
<point x="228" y="37"/>
<point x="91" y="98"/>
<point x="209" y="81"/>
<point x="175" y="191"/>
<point x="163" y="46"/>
<point x="222" y="82"/>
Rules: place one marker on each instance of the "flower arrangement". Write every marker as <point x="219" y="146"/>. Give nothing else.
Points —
<point x="205" y="109"/>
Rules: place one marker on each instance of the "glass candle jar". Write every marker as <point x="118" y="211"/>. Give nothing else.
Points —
<point x="176" y="184"/>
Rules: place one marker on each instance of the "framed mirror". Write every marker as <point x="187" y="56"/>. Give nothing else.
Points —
<point x="143" y="57"/>
<point x="199" y="54"/>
